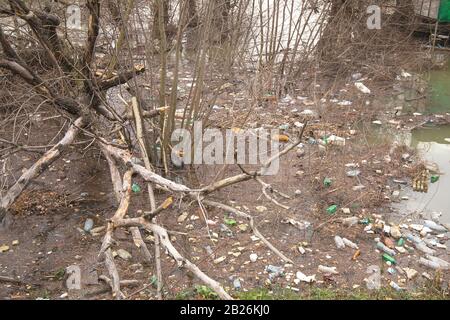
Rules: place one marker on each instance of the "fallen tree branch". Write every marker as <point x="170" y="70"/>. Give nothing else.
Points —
<point x="143" y="144"/>
<point x="181" y="261"/>
<point x="39" y="166"/>
<point x="149" y="176"/>
<point x="105" y="249"/>
<point x="121" y="78"/>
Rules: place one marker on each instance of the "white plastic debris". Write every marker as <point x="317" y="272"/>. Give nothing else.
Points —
<point x="327" y="270"/>
<point x="350" y="244"/>
<point x="339" y="242"/>
<point x="302" y="277"/>
<point x="345" y="103"/>
<point x="434" y="226"/>
<point x="361" y="87"/>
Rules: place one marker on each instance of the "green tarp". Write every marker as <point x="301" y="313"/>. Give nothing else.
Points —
<point x="444" y="11"/>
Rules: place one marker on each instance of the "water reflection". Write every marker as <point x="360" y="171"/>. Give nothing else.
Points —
<point x="431" y="143"/>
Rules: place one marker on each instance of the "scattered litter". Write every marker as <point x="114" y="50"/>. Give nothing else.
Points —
<point x="356" y="255"/>
<point x="346" y="211"/>
<point x="427" y="276"/>
<point x="384" y="248"/>
<point x="391" y="270"/>
<point x="274" y="271"/>
<point x="405" y="74"/>
<point x="327" y="270"/>
<point x="332" y="209"/>
<point x="230" y="222"/>
<point x="335" y="140"/>
<point x="361" y="87"/>
<point x="237" y="284"/>
<point x="350" y="244"/>
<point x="353" y="173"/>
<point x="302" y="277"/>
<point x="345" y="103"/>
<point x="401" y="249"/>
<point x="434" y="226"/>
<point x="220" y="259"/>
<point x="434" y="178"/>
<point x="386" y="257"/>
<point x="410" y="273"/>
<point x="182" y="217"/>
<point x="421" y="246"/>
<point x="301" y="225"/>
<point x="339" y="242"/>
<point x="280" y="138"/>
<point x="442" y="263"/>
<point x="136" y="188"/>
<point x="88" y="225"/>
<point x="356" y="76"/>
<point x="430" y="264"/>
<point x="395" y="232"/>
<point x="395" y="286"/>
<point x="253" y="257"/>
<point x="261" y="209"/>
<point x="358" y="187"/>
<point x="349" y="222"/>
<point x="307" y="112"/>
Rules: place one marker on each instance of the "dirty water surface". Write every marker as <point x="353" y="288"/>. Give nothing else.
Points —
<point x="433" y="145"/>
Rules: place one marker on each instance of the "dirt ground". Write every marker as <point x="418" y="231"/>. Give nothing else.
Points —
<point x="46" y="234"/>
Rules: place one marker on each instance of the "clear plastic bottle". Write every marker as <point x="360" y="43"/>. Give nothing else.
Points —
<point x="382" y="247"/>
<point x="339" y="242"/>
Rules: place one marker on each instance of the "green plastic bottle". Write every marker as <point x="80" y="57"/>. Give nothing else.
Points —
<point x="387" y="257"/>
<point x="327" y="182"/>
<point x="332" y="209"/>
<point x="135" y="188"/>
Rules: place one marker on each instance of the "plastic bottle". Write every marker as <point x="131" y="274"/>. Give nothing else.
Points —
<point x="434" y="226"/>
<point x="395" y="286"/>
<point x="339" y="242"/>
<point x="413" y="238"/>
<point x="350" y="244"/>
<point x="349" y="222"/>
<point x="237" y="284"/>
<point x="88" y="225"/>
<point x="328" y="270"/>
<point x="388" y="258"/>
<point x="429" y="263"/>
<point x="421" y="246"/>
<point x="382" y="247"/>
<point x="444" y="264"/>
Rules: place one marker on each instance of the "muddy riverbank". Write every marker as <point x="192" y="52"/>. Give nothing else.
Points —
<point x="343" y="186"/>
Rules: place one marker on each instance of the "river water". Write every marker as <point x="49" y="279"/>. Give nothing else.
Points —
<point x="433" y="144"/>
